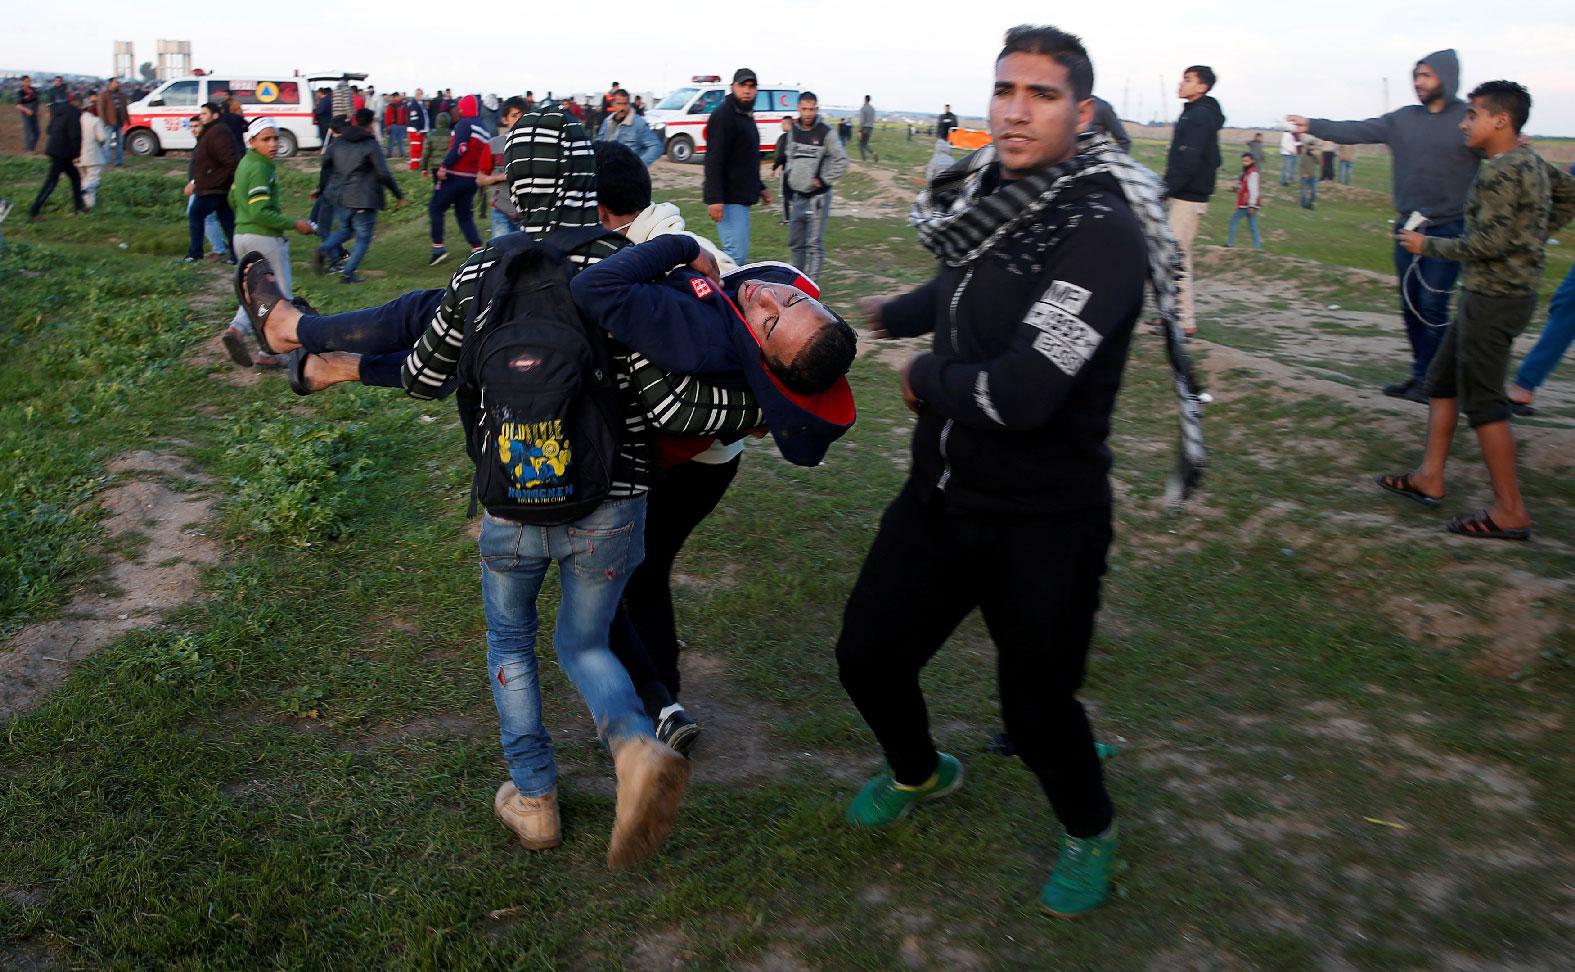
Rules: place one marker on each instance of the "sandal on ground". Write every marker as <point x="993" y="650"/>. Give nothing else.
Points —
<point x="295" y="368"/>
<point x="1401" y="485"/>
<point x="1480" y="526"/>
<point x="258" y="293"/>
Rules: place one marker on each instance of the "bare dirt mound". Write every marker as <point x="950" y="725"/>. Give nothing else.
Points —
<point x="160" y="499"/>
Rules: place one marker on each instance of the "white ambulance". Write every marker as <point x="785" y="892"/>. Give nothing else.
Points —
<point x="162" y="120"/>
<point x="679" y="119"/>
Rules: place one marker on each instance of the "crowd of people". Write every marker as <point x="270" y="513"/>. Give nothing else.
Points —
<point x="675" y="350"/>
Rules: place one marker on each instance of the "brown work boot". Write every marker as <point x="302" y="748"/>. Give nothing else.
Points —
<point x="533" y="819"/>
<point x="651" y="781"/>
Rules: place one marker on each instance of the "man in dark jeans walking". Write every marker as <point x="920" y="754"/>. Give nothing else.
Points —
<point x="352" y="179"/>
<point x="63" y="145"/>
<point x="213" y="165"/>
<point x="1020" y="529"/>
<point x="1432" y="172"/>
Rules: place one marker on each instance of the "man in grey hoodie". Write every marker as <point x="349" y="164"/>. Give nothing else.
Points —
<point x="1432" y="172"/>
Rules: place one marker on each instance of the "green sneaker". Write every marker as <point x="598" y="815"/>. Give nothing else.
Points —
<point x="1081" y="879"/>
<point x="884" y="801"/>
<point x="1106" y="751"/>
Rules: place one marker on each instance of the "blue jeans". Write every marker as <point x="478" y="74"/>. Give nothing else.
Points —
<point x="117" y="144"/>
<point x="1555" y="338"/>
<point x="595" y="556"/>
<point x="395" y="142"/>
<point x="807" y="216"/>
<point x="460" y="193"/>
<point x="382" y="335"/>
<point x="502" y="225"/>
<point x="1346" y="167"/>
<point x="1309" y="192"/>
<point x="1287" y="169"/>
<point x="1251" y="216"/>
<point x="361" y="223"/>
<point x="199" y="211"/>
<point x="734" y="230"/>
<point x="1432" y="301"/>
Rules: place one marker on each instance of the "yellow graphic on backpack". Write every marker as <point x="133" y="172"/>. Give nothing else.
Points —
<point x="536" y="456"/>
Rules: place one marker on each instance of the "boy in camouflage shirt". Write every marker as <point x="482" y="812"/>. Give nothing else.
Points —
<point x="1516" y="200"/>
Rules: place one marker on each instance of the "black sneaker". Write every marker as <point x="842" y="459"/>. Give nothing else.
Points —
<point x="1400" y="389"/>
<point x="352" y="278"/>
<point x="439" y="254"/>
<point x="676" y="729"/>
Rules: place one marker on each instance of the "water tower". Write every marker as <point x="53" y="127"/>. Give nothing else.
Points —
<point x="125" y="60"/>
<point x="174" y="59"/>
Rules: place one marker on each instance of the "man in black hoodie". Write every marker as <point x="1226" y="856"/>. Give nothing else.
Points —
<point x="63" y="146"/>
<point x="1432" y="172"/>
<point x="1189" y="172"/>
<point x="732" y="165"/>
<point x="352" y="180"/>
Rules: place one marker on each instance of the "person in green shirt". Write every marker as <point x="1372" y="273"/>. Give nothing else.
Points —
<point x="1515" y="203"/>
<point x="260" y="225"/>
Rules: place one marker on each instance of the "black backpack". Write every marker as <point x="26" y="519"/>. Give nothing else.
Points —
<point x="544" y="419"/>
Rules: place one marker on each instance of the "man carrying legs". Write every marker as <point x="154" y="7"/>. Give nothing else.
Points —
<point x="1021" y="528"/>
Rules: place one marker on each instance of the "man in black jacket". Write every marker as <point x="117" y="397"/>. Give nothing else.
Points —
<point x="352" y="180"/>
<point x="1007" y="506"/>
<point x="1189" y="171"/>
<point x="63" y="146"/>
<point x="732" y="165"/>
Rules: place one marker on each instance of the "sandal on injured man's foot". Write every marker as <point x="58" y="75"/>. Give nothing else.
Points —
<point x="258" y="293"/>
<point x="295" y="369"/>
<point x="1481" y="526"/>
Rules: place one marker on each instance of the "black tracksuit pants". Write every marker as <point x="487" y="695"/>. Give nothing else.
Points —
<point x="58" y="168"/>
<point x="1036" y="581"/>
<point x="644" y="636"/>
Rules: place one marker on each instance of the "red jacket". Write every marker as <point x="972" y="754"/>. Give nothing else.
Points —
<point x="396" y="115"/>
<point x="470" y="152"/>
<point x="1247" y="194"/>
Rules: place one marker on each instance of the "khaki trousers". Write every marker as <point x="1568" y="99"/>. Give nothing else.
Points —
<point x="1184" y="219"/>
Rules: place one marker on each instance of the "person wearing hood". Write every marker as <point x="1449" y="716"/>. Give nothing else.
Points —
<point x="554" y="184"/>
<point x="1190" y="166"/>
<point x="625" y="127"/>
<point x="469" y="154"/>
<point x="1432" y="169"/>
<point x="353" y="178"/>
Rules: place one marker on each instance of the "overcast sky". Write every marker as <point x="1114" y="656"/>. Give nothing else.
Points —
<point x="1326" y="59"/>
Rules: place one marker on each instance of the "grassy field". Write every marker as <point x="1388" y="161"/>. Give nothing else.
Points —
<point x="1346" y="735"/>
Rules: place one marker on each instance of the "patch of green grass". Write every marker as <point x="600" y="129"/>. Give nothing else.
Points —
<point x="296" y="769"/>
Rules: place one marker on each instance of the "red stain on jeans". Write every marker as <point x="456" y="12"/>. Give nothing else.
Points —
<point x="502" y="678"/>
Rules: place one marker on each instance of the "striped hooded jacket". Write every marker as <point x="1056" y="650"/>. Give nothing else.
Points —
<point x="550" y="167"/>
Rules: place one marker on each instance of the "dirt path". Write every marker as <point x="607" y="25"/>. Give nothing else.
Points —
<point x="160" y="499"/>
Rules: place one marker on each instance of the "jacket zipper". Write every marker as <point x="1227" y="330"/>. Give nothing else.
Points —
<point x="946" y="428"/>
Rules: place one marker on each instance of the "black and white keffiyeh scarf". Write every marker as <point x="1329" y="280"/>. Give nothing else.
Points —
<point x="959" y="219"/>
